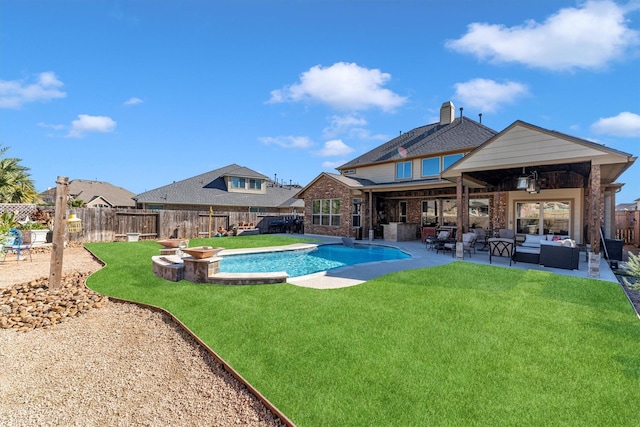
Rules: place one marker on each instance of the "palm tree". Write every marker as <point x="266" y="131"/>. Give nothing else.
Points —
<point x="16" y="186"/>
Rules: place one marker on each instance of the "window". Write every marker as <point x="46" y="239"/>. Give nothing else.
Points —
<point x="348" y="172"/>
<point x="258" y="210"/>
<point x="450" y="159"/>
<point x="356" y="213"/>
<point x="528" y="217"/>
<point x="255" y="184"/>
<point x="431" y="166"/>
<point x="403" y="170"/>
<point x="479" y="213"/>
<point x="237" y="182"/>
<point x="449" y="212"/>
<point x="429" y="212"/>
<point x="403" y="211"/>
<point x="325" y="212"/>
<point x="543" y="217"/>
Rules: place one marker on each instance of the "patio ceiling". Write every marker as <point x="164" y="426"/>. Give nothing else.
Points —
<point x="495" y="177"/>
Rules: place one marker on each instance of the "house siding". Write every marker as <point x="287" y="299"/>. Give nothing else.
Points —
<point x="523" y="146"/>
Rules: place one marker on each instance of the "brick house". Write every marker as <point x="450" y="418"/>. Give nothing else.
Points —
<point x="459" y="173"/>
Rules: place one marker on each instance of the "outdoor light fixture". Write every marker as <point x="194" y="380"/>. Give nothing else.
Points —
<point x="74" y="224"/>
<point x="529" y="183"/>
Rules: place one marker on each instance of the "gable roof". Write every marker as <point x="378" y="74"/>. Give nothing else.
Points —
<point x="462" y="134"/>
<point x="210" y="188"/>
<point x="93" y="191"/>
<point x="525" y="145"/>
<point x="351" y="182"/>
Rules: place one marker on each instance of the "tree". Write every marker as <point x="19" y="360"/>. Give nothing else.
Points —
<point x="16" y="186"/>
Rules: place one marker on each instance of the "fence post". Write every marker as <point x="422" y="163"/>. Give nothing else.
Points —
<point x="57" y="246"/>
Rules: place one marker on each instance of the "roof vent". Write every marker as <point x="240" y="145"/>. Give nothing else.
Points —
<point x="447" y="113"/>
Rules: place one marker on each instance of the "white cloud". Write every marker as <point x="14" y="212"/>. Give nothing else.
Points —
<point x="588" y="37"/>
<point x="287" y="141"/>
<point x="334" y="147"/>
<point x="48" y="126"/>
<point x="345" y="86"/>
<point x="87" y="123"/>
<point x="625" y="124"/>
<point x="341" y="125"/>
<point x="133" y="101"/>
<point x="16" y="93"/>
<point x="333" y="165"/>
<point x="487" y="96"/>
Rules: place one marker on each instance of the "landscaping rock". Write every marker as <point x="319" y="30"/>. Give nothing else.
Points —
<point x="26" y="306"/>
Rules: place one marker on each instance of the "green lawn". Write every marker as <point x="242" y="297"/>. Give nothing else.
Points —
<point x="460" y="344"/>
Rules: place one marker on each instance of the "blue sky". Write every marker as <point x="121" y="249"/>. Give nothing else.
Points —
<point x="144" y="93"/>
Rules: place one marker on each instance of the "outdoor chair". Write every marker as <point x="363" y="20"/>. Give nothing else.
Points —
<point x="468" y="244"/>
<point x="502" y="248"/>
<point x="506" y="233"/>
<point x="18" y="246"/>
<point x="432" y="242"/>
<point x="481" y="237"/>
<point x="428" y="233"/>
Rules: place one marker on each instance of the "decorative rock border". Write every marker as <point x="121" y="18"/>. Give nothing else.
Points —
<point x="32" y="305"/>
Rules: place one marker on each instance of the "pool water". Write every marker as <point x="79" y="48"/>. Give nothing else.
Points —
<point x="307" y="261"/>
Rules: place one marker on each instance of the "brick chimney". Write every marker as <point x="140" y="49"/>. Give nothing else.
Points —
<point x="447" y="113"/>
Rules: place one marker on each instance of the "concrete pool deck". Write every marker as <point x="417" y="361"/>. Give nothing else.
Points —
<point x="421" y="258"/>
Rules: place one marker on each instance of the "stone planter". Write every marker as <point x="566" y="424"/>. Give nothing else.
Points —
<point x="133" y="237"/>
<point x="34" y="237"/>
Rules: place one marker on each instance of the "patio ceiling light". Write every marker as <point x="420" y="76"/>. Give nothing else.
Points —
<point x="529" y="183"/>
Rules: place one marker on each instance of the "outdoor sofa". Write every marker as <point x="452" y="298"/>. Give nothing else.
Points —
<point x="549" y="250"/>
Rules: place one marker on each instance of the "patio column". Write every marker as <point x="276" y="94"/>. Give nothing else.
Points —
<point x="461" y="202"/>
<point x="460" y="208"/>
<point x="370" y="230"/>
<point x="465" y="211"/>
<point x="596" y="208"/>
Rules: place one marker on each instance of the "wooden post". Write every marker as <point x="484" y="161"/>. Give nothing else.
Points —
<point x="57" y="247"/>
<point x="460" y="202"/>
<point x="210" y="219"/>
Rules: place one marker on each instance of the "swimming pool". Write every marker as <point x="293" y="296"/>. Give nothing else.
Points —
<point x="301" y="262"/>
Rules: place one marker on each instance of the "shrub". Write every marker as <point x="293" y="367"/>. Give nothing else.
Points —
<point x="31" y="225"/>
<point x="634" y="270"/>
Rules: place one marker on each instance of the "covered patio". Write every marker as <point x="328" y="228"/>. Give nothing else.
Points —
<point x="423" y="258"/>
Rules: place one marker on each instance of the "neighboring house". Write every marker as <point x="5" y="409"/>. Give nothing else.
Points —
<point x="94" y="194"/>
<point x="232" y="188"/>
<point x="460" y="173"/>
<point x="635" y="206"/>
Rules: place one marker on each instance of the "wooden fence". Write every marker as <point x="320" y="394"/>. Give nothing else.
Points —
<point x="628" y="227"/>
<point x="108" y="224"/>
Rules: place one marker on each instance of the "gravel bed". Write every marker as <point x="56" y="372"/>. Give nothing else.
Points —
<point x="114" y="364"/>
